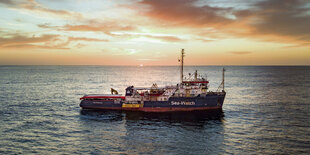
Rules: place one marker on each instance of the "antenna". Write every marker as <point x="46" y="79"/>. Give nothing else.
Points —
<point x="223" y="82"/>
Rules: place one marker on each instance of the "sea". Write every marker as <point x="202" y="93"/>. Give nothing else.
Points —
<point x="266" y="111"/>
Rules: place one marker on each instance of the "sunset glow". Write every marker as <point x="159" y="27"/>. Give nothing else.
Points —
<point x="152" y="32"/>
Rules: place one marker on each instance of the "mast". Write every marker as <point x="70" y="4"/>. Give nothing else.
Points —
<point x="182" y="62"/>
<point x="223" y="78"/>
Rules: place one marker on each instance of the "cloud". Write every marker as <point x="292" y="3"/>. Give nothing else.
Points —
<point x="186" y="13"/>
<point x="44" y="41"/>
<point x="285" y="21"/>
<point x="46" y="26"/>
<point x="35" y="46"/>
<point x="289" y="18"/>
<point x="19" y="39"/>
<point x="87" y="39"/>
<point x="92" y="26"/>
<point x="205" y="40"/>
<point x="165" y="38"/>
<point x="33" y="6"/>
<point x="7" y="2"/>
<point x="240" y="52"/>
<point x="161" y="37"/>
<point x="105" y="27"/>
<point x="112" y="29"/>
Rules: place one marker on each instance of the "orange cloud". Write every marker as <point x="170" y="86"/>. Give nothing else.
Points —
<point x="285" y="21"/>
<point x="35" y="46"/>
<point x="98" y="27"/>
<point x="44" y="41"/>
<point x="86" y="39"/>
<point x="205" y="40"/>
<point x="185" y="13"/>
<point x="23" y="40"/>
<point x="166" y="38"/>
<point x="108" y="28"/>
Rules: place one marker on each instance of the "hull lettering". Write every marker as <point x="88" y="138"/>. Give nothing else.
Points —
<point x="182" y="103"/>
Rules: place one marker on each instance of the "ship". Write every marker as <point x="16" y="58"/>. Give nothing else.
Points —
<point x="190" y="94"/>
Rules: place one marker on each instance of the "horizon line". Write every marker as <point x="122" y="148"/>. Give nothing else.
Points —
<point x="163" y="65"/>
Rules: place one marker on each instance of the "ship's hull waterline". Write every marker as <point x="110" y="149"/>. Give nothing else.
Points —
<point x="209" y="102"/>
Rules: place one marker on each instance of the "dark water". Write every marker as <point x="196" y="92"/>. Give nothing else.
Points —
<point x="266" y="111"/>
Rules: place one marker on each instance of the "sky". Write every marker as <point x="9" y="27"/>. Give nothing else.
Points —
<point x="153" y="32"/>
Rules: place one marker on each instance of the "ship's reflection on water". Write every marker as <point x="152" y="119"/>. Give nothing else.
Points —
<point x="197" y="118"/>
<point x="102" y="115"/>
<point x="160" y="133"/>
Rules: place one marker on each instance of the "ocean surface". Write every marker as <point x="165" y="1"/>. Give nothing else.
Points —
<point x="266" y="111"/>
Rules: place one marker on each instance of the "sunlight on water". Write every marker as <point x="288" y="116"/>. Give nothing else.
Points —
<point x="265" y="112"/>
